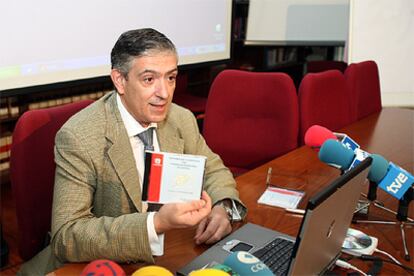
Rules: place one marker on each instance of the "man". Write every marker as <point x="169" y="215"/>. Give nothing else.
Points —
<point x="99" y="153"/>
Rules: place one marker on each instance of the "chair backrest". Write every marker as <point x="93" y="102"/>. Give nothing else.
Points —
<point x="317" y="66"/>
<point x="32" y="172"/>
<point x="251" y="118"/>
<point x="323" y="100"/>
<point x="183" y="97"/>
<point x="364" y="88"/>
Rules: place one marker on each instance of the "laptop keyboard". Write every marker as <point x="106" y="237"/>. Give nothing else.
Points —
<point x="276" y="255"/>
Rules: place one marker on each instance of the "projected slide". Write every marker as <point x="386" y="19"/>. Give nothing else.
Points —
<point x="49" y="41"/>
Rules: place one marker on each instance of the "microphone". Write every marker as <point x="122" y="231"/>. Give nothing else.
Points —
<point x="389" y="177"/>
<point x="102" y="267"/>
<point x="377" y="172"/>
<point x="245" y="264"/>
<point x="336" y="155"/>
<point x="394" y="180"/>
<point x="340" y="156"/>
<point x="152" y="270"/>
<point x="316" y="135"/>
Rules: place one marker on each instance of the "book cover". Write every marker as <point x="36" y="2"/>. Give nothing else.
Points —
<point x="172" y="177"/>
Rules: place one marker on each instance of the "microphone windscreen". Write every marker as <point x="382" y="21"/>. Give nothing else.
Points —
<point x="379" y="168"/>
<point x="244" y="263"/>
<point x="316" y="135"/>
<point x="102" y="267"/>
<point x="337" y="154"/>
<point x="152" y="270"/>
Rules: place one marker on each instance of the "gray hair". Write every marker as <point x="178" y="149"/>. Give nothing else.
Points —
<point x="136" y="43"/>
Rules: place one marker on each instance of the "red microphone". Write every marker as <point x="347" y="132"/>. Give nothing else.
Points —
<point x="103" y="267"/>
<point x="316" y="135"/>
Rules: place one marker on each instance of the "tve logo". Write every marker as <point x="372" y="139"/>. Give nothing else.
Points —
<point x="397" y="181"/>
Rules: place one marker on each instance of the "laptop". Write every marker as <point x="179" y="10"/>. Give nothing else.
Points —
<point x="318" y="245"/>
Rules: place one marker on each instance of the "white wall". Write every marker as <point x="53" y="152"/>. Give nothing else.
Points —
<point x="383" y="31"/>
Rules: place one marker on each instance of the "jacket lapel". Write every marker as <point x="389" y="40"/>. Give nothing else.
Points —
<point x="168" y="138"/>
<point x="120" y="152"/>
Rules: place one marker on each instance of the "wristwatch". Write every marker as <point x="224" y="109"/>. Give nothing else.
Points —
<point x="229" y="211"/>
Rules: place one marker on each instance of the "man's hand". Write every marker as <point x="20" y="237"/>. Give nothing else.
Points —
<point x="182" y="215"/>
<point x="214" y="227"/>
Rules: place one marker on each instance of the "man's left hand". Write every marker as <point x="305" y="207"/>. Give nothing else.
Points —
<point x="214" y="227"/>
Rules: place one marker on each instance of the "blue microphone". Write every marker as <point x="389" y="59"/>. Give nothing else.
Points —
<point x="246" y="264"/>
<point x="377" y="172"/>
<point x="340" y="156"/>
<point x="389" y="177"/>
<point x="393" y="179"/>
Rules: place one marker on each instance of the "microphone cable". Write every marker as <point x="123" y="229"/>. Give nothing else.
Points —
<point x="388" y="255"/>
<point x="376" y="258"/>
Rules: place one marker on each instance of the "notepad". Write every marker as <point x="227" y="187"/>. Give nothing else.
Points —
<point x="281" y="197"/>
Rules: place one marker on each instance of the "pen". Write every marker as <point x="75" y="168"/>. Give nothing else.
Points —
<point x="296" y="211"/>
<point x="269" y="175"/>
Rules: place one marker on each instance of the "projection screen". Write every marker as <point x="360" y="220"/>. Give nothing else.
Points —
<point x="52" y="41"/>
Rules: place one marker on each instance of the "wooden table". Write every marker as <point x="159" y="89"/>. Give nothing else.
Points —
<point x="389" y="133"/>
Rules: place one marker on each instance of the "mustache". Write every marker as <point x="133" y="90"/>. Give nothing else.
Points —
<point x="158" y="101"/>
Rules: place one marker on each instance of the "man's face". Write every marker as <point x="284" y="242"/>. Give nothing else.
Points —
<point x="148" y="90"/>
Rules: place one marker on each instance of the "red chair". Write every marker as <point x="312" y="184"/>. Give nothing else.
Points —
<point x="325" y="65"/>
<point x="251" y="118"/>
<point x="32" y="172"/>
<point x="182" y="97"/>
<point x="364" y="88"/>
<point x="323" y="100"/>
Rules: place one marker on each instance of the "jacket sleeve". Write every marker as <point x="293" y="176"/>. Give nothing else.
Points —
<point x="78" y="235"/>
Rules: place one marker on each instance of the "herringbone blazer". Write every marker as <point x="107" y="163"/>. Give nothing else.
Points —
<point x="97" y="196"/>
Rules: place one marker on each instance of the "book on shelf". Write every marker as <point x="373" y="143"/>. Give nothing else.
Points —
<point x="8" y="109"/>
<point x="4" y="165"/>
<point x="172" y="177"/>
<point x="5" y="145"/>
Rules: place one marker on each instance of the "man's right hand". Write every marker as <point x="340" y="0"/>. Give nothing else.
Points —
<point x="182" y="215"/>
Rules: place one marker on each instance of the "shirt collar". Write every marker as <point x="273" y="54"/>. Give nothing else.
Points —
<point x="132" y="126"/>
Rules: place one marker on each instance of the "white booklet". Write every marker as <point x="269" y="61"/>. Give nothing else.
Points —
<point x="172" y="177"/>
<point x="281" y="197"/>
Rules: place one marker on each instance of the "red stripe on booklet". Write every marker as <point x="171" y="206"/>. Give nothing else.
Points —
<point x="284" y="191"/>
<point x="155" y="177"/>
